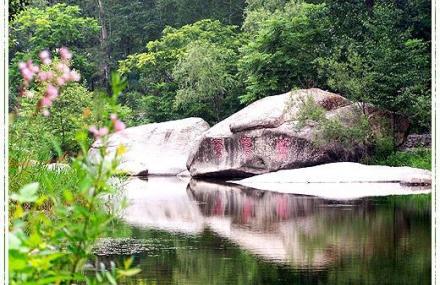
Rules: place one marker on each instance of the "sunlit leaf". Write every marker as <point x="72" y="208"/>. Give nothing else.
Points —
<point x="26" y="194"/>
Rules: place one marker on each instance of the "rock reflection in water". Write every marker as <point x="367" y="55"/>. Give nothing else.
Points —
<point x="210" y="233"/>
<point x="301" y="231"/>
<point x="276" y="226"/>
<point x="161" y="203"/>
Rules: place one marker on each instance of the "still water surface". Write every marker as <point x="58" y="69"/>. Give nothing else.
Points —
<point x="211" y="233"/>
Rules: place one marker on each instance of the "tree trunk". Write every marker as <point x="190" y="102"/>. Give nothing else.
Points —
<point x="104" y="44"/>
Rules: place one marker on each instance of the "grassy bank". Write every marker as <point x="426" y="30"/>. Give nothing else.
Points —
<point x="418" y="158"/>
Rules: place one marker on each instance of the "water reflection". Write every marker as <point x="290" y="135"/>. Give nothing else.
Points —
<point x="161" y="203"/>
<point x="364" y="241"/>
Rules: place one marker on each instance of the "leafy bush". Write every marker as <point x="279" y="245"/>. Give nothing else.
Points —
<point x="419" y="158"/>
<point x="356" y="132"/>
<point x="57" y="217"/>
<point x="70" y="113"/>
<point x="309" y="111"/>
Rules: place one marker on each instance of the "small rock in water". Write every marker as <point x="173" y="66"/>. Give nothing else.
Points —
<point x="121" y="246"/>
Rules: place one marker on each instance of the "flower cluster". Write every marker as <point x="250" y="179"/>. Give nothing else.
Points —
<point x="27" y="71"/>
<point x="53" y="80"/>
<point x="117" y="125"/>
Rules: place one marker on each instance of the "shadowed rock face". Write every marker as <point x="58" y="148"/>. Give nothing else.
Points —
<point x="155" y="149"/>
<point x="263" y="137"/>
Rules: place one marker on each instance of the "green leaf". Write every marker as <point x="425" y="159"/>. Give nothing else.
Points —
<point x="110" y="278"/>
<point x="129" y="272"/>
<point x="26" y="194"/>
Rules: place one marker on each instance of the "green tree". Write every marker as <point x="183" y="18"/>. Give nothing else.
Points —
<point x="127" y="25"/>
<point x="35" y="29"/>
<point x="281" y="51"/>
<point x="15" y="6"/>
<point x="379" y="60"/>
<point x="151" y="73"/>
<point x="206" y="81"/>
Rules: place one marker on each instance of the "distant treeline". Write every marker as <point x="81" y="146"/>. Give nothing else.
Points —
<point x="209" y="58"/>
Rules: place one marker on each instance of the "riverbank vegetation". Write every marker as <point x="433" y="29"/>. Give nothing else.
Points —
<point x="179" y="58"/>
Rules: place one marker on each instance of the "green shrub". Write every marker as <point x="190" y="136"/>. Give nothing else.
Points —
<point x="418" y="158"/>
<point x="357" y="134"/>
<point x="309" y="111"/>
<point x="332" y="129"/>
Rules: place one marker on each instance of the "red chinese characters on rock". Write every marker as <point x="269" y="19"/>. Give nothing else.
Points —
<point x="246" y="145"/>
<point x="282" y="148"/>
<point x="218" y="146"/>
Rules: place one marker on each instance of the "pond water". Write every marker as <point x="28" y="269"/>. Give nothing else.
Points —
<point x="216" y="233"/>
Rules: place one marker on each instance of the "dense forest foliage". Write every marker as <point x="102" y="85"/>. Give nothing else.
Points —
<point x="210" y="58"/>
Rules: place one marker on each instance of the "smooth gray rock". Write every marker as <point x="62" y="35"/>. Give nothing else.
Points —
<point x="265" y="137"/>
<point x="343" y="181"/>
<point x="154" y="149"/>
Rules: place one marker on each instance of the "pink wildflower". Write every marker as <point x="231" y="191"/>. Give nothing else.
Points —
<point x="119" y="126"/>
<point x="45" y="75"/>
<point x="21" y="65"/>
<point x="60" y="81"/>
<point x="93" y="130"/>
<point x="42" y="76"/>
<point x="46" y="113"/>
<point x="102" y="131"/>
<point x="74" y="76"/>
<point x="97" y="133"/>
<point x="61" y="67"/>
<point x="47" y="61"/>
<point x="65" y="53"/>
<point x="33" y="68"/>
<point x="44" y="54"/>
<point x="52" y="92"/>
<point x="46" y="102"/>
<point x="45" y="57"/>
<point x="49" y="74"/>
<point x="66" y="76"/>
<point x="27" y="74"/>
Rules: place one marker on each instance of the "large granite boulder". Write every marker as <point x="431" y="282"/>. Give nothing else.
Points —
<point x="265" y="137"/>
<point x="155" y="149"/>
